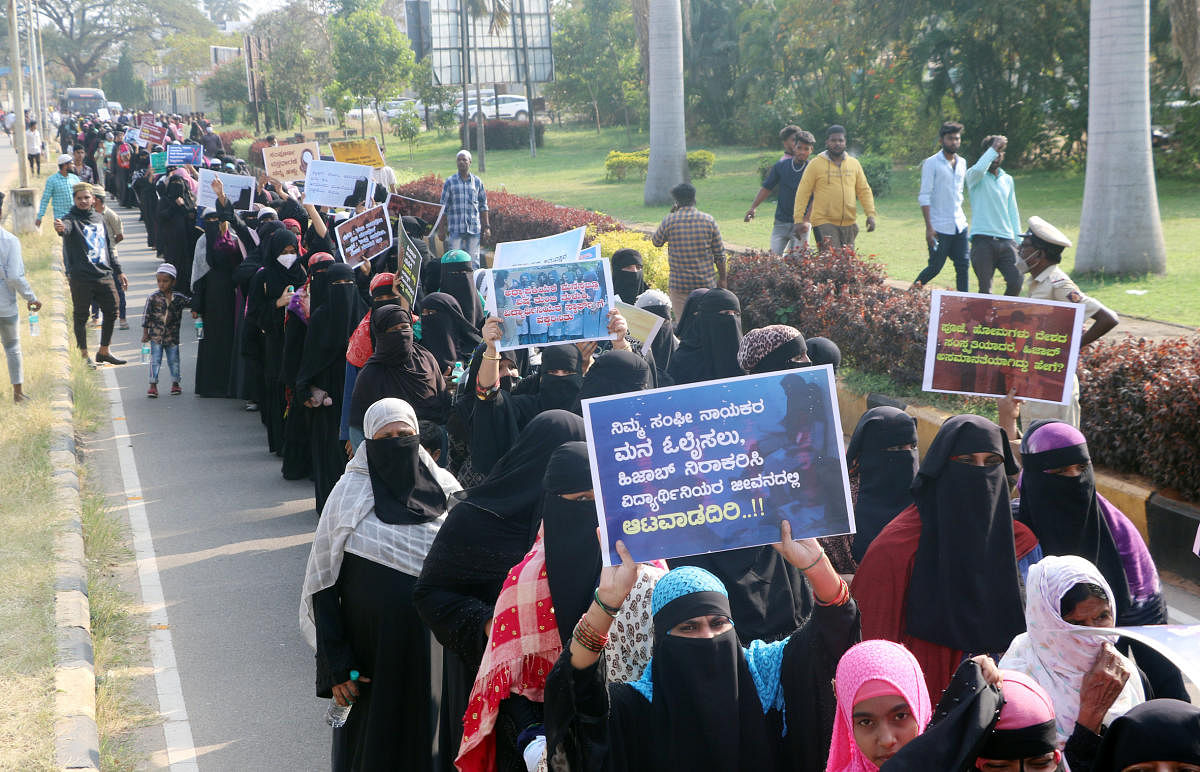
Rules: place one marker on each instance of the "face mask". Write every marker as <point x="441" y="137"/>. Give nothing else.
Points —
<point x="288" y="260"/>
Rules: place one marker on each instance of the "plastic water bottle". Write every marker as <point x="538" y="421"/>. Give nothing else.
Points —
<point x="145" y="353"/>
<point x="199" y="329"/>
<point x="35" y="327"/>
<point x="336" y="715"/>
<point x="458" y="372"/>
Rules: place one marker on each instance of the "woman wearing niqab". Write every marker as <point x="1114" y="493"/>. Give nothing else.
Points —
<point x="399" y="367"/>
<point x="664" y="343"/>
<point x="217" y="255"/>
<point x="708" y="346"/>
<point x="627" y="283"/>
<point x="488" y="531"/>
<point x="458" y="281"/>
<point x="356" y="608"/>
<point x="176" y="232"/>
<point x="883" y="460"/>
<point x="445" y="332"/>
<point x="1159" y="730"/>
<point x="297" y="422"/>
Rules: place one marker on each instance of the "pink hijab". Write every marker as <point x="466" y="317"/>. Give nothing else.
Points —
<point x="872" y="669"/>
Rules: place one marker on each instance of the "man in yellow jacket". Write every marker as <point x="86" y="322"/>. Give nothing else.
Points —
<point x="837" y="184"/>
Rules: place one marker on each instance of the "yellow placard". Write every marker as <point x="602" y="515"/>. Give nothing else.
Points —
<point x="363" y="151"/>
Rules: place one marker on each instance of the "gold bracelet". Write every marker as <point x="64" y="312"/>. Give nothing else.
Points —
<point x="496" y="358"/>
<point x="818" y="560"/>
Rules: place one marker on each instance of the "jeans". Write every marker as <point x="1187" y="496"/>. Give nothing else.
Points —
<point x="989" y="253"/>
<point x="35" y="163"/>
<point x="104" y="293"/>
<point x="10" y="334"/>
<point x="954" y="246"/>
<point x="783" y="237"/>
<point x="120" y="304"/>
<point x="156" y="352"/>
<point x="467" y="242"/>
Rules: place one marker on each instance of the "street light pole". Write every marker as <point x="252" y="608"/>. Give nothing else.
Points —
<point x="14" y="63"/>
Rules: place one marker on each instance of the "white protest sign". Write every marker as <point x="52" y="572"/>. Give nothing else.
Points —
<point x="331" y="183"/>
<point x="238" y="188"/>
<point x="560" y="248"/>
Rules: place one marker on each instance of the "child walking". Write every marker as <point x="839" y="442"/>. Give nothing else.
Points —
<point x="160" y="327"/>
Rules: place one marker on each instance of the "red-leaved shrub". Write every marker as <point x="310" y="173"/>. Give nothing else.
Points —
<point x="1141" y="409"/>
<point x="227" y="138"/>
<point x="516" y="218"/>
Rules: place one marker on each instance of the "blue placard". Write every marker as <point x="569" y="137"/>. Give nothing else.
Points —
<point x="718" y="465"/>
<point x="178" y="155"/>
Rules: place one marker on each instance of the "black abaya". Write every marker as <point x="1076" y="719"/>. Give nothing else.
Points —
<point x="214" y="297"/>
<point x="175" y="236"/>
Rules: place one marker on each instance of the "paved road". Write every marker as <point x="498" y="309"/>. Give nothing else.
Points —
<point x="231" y="538"/>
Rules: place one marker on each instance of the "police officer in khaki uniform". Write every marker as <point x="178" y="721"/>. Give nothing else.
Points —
<point x="1039" y="255"/>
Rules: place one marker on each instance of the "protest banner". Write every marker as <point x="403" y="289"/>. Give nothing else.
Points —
<point x="364" y="235"/>
<point x="718" y="465"/>
<point x="481" y="284"/>
<point x="132" y="136"/>
<point x="289" y="163"/>
<point x="408" y="267"/>
<point x="560" y="248"/>
<point x="643" y="325"/>
<point x="984" y="345"/>
<point x="336" y="184"/>
<point x="550" y="303"/>
<point x="178" y="155"/>
<point x="103" y="114"/>
<point x="403" y="206"/>
<point x="363" y="151"/>
<point x="1178" y="643"/>
<point x="152" y="134"/>
<point x="238" y="188"/>
<point x="158" y="162"/>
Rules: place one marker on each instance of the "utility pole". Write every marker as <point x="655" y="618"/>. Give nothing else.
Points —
<point x="37" y="87"/>
<point x="14" y="63"/>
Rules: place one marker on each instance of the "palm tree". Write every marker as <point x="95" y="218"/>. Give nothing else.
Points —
<point x="1120" y="231"/>
<point x="225" y="10"/>
<point x="668" y="142"/>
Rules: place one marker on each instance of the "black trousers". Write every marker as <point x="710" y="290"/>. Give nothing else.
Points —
<point x="103" y="292"/>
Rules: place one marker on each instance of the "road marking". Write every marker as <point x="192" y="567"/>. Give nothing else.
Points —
<point x="1181" y="617"/>
<point x="181" y="752"/>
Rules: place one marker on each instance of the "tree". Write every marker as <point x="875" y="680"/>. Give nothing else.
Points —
<point x="298" y="65"/>
<point x="434" y="96"/>
<point x="596" y="60"/>
<point x="122" y="85"/>
<point x="225" y="10"/>
<point x="83" y="35"/>
<point x="227" y="87"/>
<point x="370" y="57"/>
<point x="1120" y="231"/>
<point x="668" y="142"/>
<point x="186" y="56"/>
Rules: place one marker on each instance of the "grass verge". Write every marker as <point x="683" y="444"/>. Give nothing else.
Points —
<point x="569" y="170"/>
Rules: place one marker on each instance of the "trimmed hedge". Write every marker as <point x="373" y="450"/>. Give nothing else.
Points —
<point x="503" y="134"/>
<point x="619" y="165"/>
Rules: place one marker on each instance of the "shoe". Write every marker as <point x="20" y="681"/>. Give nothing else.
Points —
<point x="152" y="392"/>
<point x="175" y="390"/>
<point x="90" y="364"/>
<point x="123" y="324"/>
<point x="251" y="407"/>
<point x="112" y="360"/>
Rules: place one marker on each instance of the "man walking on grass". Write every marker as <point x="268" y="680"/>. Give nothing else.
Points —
<point x="695" y="252"/>
<point x="837" y="184"/>
<point x="783" y="179"/>
<point x="941" y="197"/>
<point x="465" y="222"/>
<point x="58" y="189"/>
<point x="13" y="283"/>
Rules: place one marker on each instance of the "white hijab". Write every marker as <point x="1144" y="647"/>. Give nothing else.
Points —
<point x="348" y="523"/>
<point x="1056" y="653"/>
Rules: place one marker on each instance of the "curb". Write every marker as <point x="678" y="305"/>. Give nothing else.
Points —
<point x="76" y="736"/>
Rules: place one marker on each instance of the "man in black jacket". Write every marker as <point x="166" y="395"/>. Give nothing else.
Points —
<point x="92" y="270"/>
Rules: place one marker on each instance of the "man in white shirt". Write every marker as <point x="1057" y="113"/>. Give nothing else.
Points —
<point x="13" y="283"/>
<point x="941" y="197"/>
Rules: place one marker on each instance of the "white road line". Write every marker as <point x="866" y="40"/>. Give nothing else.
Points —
<point x="1181" y="617"/>
<point x="181" y="752"/>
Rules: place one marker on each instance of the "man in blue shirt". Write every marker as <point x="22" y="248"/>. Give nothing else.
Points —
<point x="784" y="178"/>
<point x="941" y="197"/>
<point x="58" y="190"/>
<point x="995" y="222"/>
<point x="465" y="220"/>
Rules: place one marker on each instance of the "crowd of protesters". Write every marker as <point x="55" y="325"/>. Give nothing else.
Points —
<point x="966" y="625"/>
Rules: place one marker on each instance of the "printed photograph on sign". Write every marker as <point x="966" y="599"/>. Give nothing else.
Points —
<point x="985" y="345"/>
<point x="330" y="183"/>
<point x="552" y="303"/>
<point x="403" y="206"/>
<point x="289" y="163"/>
<point x="363" y="151"/>
<point x="239" y="189"/>
<point x="707" y="467"/>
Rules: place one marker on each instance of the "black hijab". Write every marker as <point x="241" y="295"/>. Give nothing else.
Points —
<point x="664" y="343"/>
<point x="710" y="343"/>
<point x="627" y="284"/>
<point x="705" y="708"/>
<point x="458" y="282"/>
<point x="1158" y="730"/>
<point x="1065" y="515"/>
<point x="405" y="492"/>
<point x="572" y="552"/>
<point x="885" y="476"/>
<point x="615" y="372"/>
<point x="823" y="351"/>
<point x="445" y="332"/>
<point x="331" y="324"/>
<point x="398" y="367"/>
<point x="964" y="592"/>
<point x="691" y="312"/>
<point x="559" y="392"/>
<point x="276" y="276"/>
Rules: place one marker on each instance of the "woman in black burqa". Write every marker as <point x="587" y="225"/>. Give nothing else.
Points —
<point x="664" y="344"/>
<point x="297" y="421"/>
<point x="627" y="277"/>
<point x="882" y="457"/>
<point x="176" y="233"/>
<point x="218" y="254"/>
<point x="270" y="290"/>
<point x="709" y="342"/>
<point x="322" y="374"/>
<point x="445" y="332"/>
<point x="399" y="367"/>
<point x="486" y="533"/>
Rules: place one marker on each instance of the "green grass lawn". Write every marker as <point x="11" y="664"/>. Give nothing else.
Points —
<point x="569" y="170"/>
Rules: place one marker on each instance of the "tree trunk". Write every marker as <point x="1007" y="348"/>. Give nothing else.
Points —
<point x="480" y="141"/>
<point x="668" y="142"/>
<point x="1120" y="231"/>
<point x="382" y="135"/>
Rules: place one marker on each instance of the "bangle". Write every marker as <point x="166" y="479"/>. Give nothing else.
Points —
<point x="818" y="560"/>
<point x="607" y="609"/>
<point x="496" y="358"/>
<point x="840" y="599"/>
<point x="587" y="636"/>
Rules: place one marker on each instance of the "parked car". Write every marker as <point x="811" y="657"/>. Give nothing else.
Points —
<point x="114" y="108"/>
<point x="393" y="107"/>
<point x="505" y="106"/>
